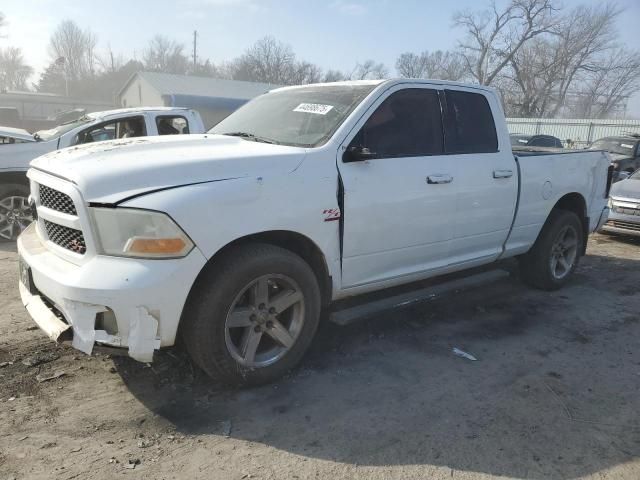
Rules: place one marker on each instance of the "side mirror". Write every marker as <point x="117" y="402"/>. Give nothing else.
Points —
<point x="358" y="154"/>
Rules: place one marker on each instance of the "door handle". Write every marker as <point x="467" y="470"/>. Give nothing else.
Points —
<point x="502" y="173"/>
<point x="439" y="179"/>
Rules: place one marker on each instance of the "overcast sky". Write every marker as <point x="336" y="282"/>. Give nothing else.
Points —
<point x="332" y="33"/>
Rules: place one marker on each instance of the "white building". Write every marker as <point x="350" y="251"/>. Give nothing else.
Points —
<point x="213" y="98"/>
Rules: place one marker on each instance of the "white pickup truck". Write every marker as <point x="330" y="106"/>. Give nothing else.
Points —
<point x="236" y="239"/>
<point x="18" y="147"/>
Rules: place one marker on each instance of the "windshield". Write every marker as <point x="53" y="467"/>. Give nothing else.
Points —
<point x="302" y="117"/>
<point x="44" y="135"/>
<point x="615" y="145"/>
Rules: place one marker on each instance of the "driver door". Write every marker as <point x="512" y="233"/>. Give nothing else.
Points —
<point x="399" y="204"/>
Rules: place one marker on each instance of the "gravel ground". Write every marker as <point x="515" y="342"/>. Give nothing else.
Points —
<point x="554" y="394"/>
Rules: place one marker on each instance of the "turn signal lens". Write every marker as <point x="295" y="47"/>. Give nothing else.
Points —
<point x="155" y="246"/>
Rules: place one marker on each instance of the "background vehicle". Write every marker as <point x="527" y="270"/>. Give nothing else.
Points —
<point x="521" y="140"/>
<point x="10" y="116"/>
<point x="625" y="207"/>
<point x="19" y="147"/>
<point x="624" y="151"/>
<point x="302" y="197"/>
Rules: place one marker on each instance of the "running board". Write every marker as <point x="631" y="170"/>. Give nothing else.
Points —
<point x="350" y="315"/>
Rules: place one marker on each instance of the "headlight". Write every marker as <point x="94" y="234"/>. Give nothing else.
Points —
<point x="129" y="232"/>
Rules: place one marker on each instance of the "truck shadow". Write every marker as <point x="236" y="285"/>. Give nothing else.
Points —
<point x="554" y="392"/>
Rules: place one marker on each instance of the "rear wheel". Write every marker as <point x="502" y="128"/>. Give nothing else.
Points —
<point x="555" y="255"/>
<point x="15" y="213"/>
<point x="252" y="315"/>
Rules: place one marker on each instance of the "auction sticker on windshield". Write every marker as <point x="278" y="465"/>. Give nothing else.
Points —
<point x="316" y="108"/>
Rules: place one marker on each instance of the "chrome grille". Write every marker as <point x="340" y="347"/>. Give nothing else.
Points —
<point x="625" y="225"/>
<point x="66" y="237"/>
<point x="55" y="200"/>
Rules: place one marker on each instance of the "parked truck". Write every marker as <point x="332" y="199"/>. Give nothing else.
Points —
<point x="18" y="147"/>
<point x="236" y="239"/>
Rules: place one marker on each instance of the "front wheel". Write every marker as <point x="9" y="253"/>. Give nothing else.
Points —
<point x="555" y="255"/>
<point x="252" y="314"/>
<point x="15" y="213"/>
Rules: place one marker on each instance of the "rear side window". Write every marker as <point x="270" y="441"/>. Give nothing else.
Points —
<point x="406" y="124"/>
<point x="170" y="125"/>
<point x="470" y="126"/>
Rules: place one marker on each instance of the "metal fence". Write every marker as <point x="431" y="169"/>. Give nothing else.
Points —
<point x="574" y="132"/>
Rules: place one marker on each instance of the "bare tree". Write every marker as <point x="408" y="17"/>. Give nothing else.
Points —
<point x="165" y="55"/>
<point x="549" y="74"/>
<point x="3" y="23"/>
<point x="333" y="76"/>
<point x="369" y="70"/>
<point x="608" y="87"/>
<point x="271" y="61"/>
<point x="494" y="36"/>
<point x="110" y="62"/>
<point x="586" y="34"/>
<point x="77" y="49"/>
<point x="267" y="60"/>
<point x="442" y="65"/>
<point x="14" y="72"/>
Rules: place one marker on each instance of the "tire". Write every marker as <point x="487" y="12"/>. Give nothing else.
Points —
<point x="226" y="311"/>
<point x="15" y="213"/>
<point x="542" y="267"/>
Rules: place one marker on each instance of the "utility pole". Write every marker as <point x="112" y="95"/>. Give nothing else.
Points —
<point x="195" y="50"/>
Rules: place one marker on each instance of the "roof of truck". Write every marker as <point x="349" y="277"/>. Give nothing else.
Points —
<point x="395" y="81"/>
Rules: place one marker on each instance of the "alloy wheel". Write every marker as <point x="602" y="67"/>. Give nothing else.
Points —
<point x="15" y="216"/>
<point x="564" y="252"/>
<point x="264" y="320"/>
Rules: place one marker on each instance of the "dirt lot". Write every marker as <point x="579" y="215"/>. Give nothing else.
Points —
<point x="555" y="393"/>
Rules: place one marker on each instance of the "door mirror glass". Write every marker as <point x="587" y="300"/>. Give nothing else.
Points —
<point x="358" y="153"/>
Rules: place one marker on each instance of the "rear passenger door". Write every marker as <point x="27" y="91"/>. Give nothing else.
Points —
<point x="487" y="178"/>
<point x="399" y="204"/>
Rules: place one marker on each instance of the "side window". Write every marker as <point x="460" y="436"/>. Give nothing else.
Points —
<point x="126" y="128"/>
<point x="470" y="127"/>
<point x="170" y="125"/>
<point x="407" y="124"/>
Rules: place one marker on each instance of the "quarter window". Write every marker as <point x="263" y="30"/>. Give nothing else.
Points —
<point x="407" y="124"/>
<point x="470" y="125"/>
<point x="169" y="125"/>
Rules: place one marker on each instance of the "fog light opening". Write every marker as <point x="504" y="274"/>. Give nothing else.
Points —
<point x="107" y="321"/>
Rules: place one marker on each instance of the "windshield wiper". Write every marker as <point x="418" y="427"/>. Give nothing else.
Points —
<point x="250" y="136"/>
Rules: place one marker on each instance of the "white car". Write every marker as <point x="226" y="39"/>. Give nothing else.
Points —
<point x="236" y="239"/>
<point x="18" y="147"/>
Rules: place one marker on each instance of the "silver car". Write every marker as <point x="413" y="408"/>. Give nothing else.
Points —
<point x="624" y="204"/>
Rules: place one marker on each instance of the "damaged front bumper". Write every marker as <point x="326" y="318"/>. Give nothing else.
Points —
<point x="118" y="302"/>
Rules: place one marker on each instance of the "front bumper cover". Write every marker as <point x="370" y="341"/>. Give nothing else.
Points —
<point x="145" y="296"/>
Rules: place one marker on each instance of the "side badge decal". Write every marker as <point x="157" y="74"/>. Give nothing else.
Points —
<point x="331" y="214"/>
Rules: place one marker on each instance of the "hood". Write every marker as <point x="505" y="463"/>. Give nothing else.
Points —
<point x="107" y="172"/>
<point x="629" y="188"/>
<point x="16" y="133"/>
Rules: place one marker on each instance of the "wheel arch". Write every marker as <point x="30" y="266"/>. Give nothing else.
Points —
<point x="15" y="177"/>
<point x="295" y="242"/>
<point x="576" y="203"/>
